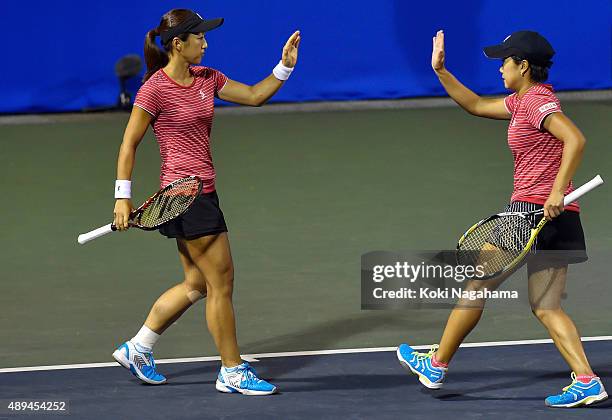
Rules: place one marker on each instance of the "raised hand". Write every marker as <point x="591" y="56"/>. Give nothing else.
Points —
<point x="290" y="50"/>
<point x="437" y="54"/>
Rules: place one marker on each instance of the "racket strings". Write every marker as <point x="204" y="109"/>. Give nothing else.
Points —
<point x="169" y="203"/>
<point x="495" y="244"/>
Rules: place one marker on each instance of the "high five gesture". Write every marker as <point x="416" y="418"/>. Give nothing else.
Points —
<point x="290" y="50"/>
<point x="259" y="93"/>
<point x="437" y="54"/>
<point x="468" y="100"/>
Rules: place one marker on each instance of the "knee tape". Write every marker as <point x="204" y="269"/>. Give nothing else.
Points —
<point x="195" y="295"/>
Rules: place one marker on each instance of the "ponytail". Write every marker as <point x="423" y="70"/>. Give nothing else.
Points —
<point x="154" y="56"/>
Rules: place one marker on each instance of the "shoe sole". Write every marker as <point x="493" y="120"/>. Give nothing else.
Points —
<point x="120" y="358"/>
<point x="422" y="378"/>
<point x="587" y="401"/>
<point x="221" y="387"/>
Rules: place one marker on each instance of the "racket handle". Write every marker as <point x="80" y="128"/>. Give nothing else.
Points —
<point x="582" y="190"/>
<point x="96" y="233"/>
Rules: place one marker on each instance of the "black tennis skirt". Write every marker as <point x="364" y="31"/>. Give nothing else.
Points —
<point x="561" y="239"/>
<point x="203" y="218"/>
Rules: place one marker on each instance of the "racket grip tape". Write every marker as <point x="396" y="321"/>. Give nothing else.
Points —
<point x="96" y="233"/>
<point x="582" y="190"/>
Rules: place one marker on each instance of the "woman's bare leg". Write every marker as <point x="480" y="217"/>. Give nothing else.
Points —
<point x="212" y="256"/>
<point x="176" y="300"/>
<point x="546" y="286"/>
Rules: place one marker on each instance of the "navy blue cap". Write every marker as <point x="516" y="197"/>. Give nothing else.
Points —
<point x="528" y="45"/>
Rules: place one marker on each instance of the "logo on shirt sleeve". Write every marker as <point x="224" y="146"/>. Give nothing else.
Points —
<point x="546" y="107"/>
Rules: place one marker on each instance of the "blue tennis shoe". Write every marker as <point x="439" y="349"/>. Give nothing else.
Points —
<point x="420" y="364"/>
<point x="140" y="362"/>
<point x="243" y="379"/>
<point x="578" y="394"/>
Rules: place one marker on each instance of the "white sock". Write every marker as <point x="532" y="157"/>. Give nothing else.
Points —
<point x="232" y="368"/>
<point x="146" y="338"/>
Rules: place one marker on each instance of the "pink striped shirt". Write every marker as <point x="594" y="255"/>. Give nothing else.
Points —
<point x="182" y="122"/>
<point x="537" y="153"/>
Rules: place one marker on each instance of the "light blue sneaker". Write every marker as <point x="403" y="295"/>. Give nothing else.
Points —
<point x="578" y="393"/>
<point x="243" y="379"/>
<point x="141" y="363"/>
<point x="420" y="364"/>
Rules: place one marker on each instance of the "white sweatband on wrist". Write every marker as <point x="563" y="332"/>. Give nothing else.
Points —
<point x="123" y="188"/>
<point x="282" y="72"/>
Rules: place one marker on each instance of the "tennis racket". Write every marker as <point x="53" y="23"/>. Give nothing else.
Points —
<point x="166" y="204"/>
<point x="499" y="243"/>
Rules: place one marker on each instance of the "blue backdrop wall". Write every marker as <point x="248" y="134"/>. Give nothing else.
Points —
<point x="59" y="56"/>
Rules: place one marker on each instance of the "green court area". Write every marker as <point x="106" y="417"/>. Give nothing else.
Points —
<point x="304" y="195"/>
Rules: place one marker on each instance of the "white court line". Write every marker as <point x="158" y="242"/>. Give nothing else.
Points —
<point x="245" y="357"/>
<point x="256" y="357"/>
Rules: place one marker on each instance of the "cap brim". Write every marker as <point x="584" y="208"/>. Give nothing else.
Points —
<point x="497" y="51"/>
<point x="207" y="25"/>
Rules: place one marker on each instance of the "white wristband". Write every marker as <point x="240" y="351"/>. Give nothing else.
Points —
<point x="282" y="72"/>
<point x="123" y="188"/>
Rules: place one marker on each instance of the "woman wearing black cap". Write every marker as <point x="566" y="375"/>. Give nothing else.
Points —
<point x="177" y="100"/>
<point x="547" y="148"/>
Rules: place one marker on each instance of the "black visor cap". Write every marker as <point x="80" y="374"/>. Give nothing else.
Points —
<point x="193" y="24"/>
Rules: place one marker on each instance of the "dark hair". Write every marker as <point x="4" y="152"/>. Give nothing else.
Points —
<point x="154" y="56"/>
<point x="539" y="74"/>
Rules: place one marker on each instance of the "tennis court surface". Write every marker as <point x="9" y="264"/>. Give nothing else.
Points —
<point x="505" y="381"/>
<point x="301" y="212"/>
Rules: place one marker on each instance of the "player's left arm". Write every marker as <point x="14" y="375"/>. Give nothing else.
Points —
<point x="560" y="126"/>
<point x="259" y="93"/>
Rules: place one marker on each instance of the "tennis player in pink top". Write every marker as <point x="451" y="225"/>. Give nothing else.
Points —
<point x="547" y="148"/>
<point x="177" y="101"/>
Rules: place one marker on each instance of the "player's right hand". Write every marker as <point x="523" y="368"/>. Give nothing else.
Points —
<point x="123" y="208"/>
<point x="290" y="50"/>
<point x="437" y="54"/>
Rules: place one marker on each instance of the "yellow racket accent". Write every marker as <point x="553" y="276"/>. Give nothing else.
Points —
<point x="501" y="242"/>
